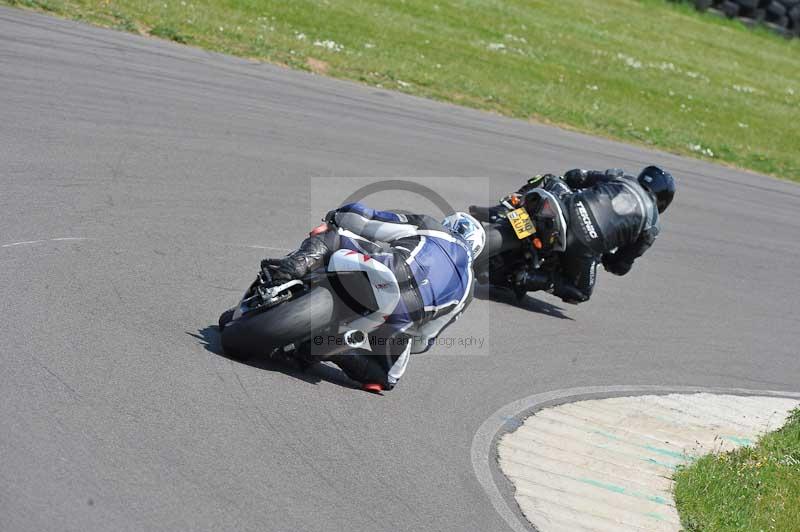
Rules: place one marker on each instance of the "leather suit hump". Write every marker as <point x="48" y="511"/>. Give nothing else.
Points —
<point x="612" y="214"/>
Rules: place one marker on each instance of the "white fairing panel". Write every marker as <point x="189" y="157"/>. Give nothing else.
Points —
<point x="384" y="286"/>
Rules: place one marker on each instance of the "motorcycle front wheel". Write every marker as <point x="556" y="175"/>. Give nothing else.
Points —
<point x="225" y="318"/>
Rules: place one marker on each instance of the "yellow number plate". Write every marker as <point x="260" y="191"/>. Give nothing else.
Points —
<point x="521" y="223"/>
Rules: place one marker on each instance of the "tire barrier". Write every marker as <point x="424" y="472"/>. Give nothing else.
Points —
<point x="782" y="16"/>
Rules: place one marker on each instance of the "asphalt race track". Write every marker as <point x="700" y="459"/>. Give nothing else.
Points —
<point x="136" y="177"/>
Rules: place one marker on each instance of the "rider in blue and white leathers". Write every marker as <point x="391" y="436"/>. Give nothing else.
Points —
<point x="432" y="262"/>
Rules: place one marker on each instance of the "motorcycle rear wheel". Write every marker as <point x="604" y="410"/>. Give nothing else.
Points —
<point x="294" y="321"/>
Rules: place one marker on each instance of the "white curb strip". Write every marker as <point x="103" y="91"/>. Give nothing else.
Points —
<point x="606" y="464"/>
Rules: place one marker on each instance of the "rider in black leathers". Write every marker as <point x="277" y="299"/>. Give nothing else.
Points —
<point x="613" y="218"/>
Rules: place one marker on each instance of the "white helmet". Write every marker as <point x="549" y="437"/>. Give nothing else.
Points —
<point x="470" y="230"/>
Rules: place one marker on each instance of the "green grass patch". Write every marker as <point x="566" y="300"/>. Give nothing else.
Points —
<point x="647" y="71"/>
<point x="168" y="32"/>
<point x="752" y="488"/>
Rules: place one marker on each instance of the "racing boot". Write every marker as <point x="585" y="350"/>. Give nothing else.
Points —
<point x="568" y="292"/>
<point x="311" y="255"/>
<point x="364" y="369"/>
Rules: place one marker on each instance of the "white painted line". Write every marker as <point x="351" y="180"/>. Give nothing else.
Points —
<point x="607" y="465"/>
<point x="26" y="242"/>
<point x="252" y="246"/>
<point x="21" y="243"/>
<point x="255" y="246"/>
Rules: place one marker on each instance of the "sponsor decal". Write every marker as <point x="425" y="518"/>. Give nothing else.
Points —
<point x="587" y="222"/>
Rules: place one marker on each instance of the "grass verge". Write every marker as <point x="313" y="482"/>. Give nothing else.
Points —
<point x="646" y="71"/>
<point x="751" y="488"/>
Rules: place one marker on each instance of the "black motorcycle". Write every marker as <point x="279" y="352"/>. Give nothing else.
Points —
<point x="309" y="319"/>
<point x="525" y="239"/>
<point x="330" y="310"/>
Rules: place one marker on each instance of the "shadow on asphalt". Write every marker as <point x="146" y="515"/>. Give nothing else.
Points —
<point x="503" y="295"/>
<point x="209" y="338"/>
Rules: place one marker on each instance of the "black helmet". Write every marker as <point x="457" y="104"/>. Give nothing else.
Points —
<point x="660" y="183"/>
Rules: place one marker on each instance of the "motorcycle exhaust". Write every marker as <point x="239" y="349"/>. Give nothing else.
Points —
<point x="327" y="346"/>
<point x="355" y="339"/>
<point x="532" y="281"/>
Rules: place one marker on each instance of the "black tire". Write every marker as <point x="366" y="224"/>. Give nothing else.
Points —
<point x="747" y="5"/>
<point x="775" y="10"/>
<point x="780" y="30"/>
<point x="794" y="14"/>
<point x="731" y="9"/>
<point x="224" y="318"/>
<point x="291" y="322"/>
<point x="702" y="5"/>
